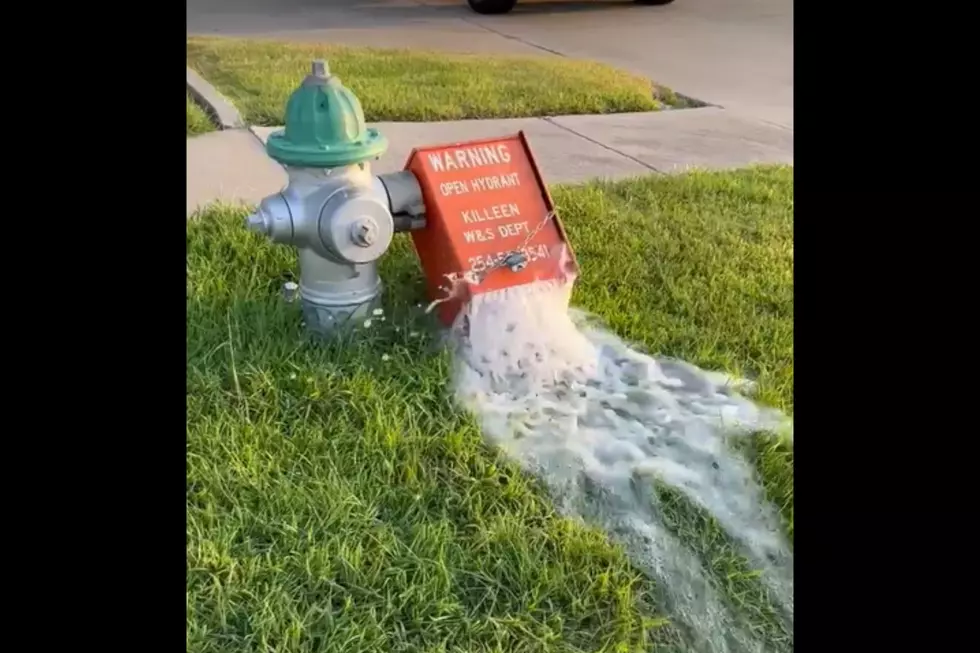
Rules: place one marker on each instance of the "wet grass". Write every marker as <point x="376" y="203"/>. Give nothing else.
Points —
<point x="413" y="85"/>
<point x="727" y="569"/>
<point x="697" y="266"/>
<point x="700" y="267"/>
<point x="338" y="501"/>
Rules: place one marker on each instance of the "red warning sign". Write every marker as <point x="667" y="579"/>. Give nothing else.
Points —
<point x="489" y="220"/>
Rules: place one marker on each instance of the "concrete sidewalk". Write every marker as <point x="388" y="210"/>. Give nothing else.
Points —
<point x="231" y="166"/>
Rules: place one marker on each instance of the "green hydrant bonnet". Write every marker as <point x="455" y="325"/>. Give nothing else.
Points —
<point x="325" y="126"/>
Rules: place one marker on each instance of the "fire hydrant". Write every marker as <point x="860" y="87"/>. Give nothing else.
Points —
<point x="338" y="215"/>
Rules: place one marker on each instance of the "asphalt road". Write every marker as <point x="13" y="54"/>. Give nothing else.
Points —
<point x="737" y="54"/>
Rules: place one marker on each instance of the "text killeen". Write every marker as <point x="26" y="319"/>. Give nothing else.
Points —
<point x="495" y="212"/>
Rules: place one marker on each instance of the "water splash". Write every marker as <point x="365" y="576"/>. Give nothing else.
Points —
<point x="599" y="423"/>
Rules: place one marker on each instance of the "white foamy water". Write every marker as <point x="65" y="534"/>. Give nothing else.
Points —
<point x="599" y="421"/>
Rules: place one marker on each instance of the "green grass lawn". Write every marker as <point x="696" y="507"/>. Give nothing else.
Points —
<point x="197" y="121"/>
<point x="258" y="76"/>
<point x="338" y="501"/>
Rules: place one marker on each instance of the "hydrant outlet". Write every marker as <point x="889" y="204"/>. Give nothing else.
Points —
<point x="356" y="229"/>
<point x="404" y="192"/>
<point x="273" y="219"/>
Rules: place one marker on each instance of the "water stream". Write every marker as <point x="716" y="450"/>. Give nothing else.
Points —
<point x="601" y="423"/>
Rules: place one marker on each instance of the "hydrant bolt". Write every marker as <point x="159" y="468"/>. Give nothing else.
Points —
<point x="365" y="232"/>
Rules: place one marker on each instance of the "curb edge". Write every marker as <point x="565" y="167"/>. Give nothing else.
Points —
<point x="213" y="102"/>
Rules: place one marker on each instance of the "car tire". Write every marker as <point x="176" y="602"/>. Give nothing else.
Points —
<point x="492" y="6"/>
<point x="653" y="2"/>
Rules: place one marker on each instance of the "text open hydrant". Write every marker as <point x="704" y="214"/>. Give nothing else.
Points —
<point x="479" y="213"/>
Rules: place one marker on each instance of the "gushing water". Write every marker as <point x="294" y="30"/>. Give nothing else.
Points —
<point x="600" y="422"/>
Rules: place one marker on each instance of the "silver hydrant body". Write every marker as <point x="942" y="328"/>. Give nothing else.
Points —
<point x="339" y="221"/>
<point x="341" y="218"/>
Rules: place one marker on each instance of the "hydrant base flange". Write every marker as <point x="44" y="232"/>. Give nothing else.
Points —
<point x="327" y="320"/>
<point x="333" y="294"/>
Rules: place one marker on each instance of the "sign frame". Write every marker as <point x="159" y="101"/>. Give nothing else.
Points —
<point x="448" y="309"/>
